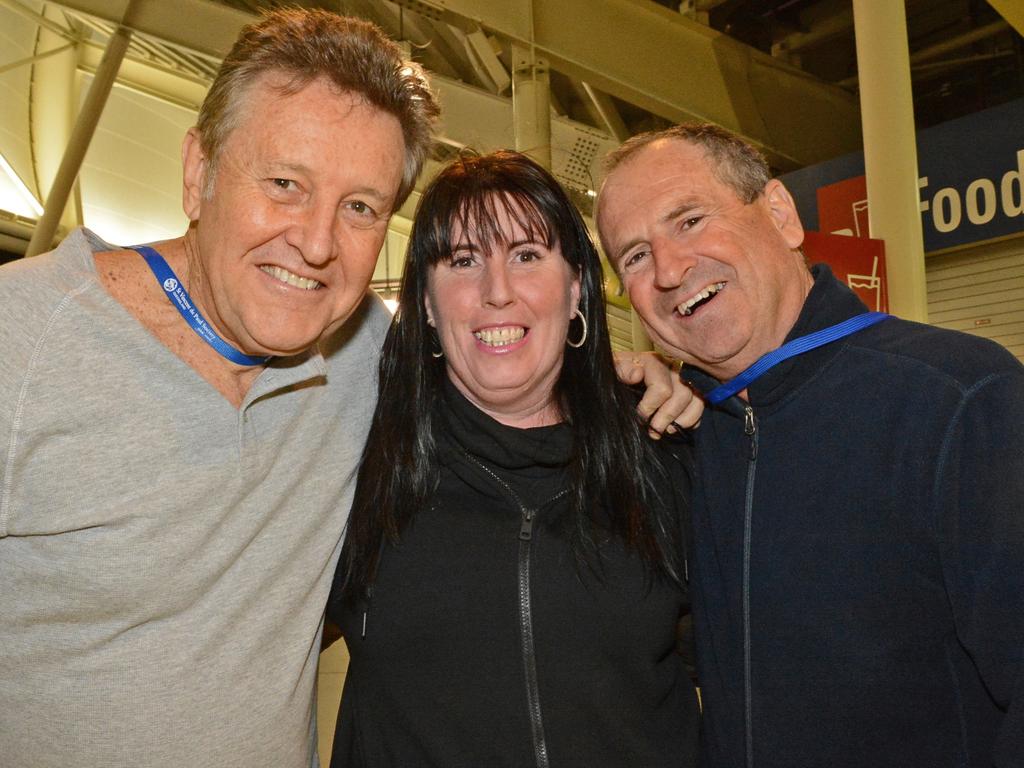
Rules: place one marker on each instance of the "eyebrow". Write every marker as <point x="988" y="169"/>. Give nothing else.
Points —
<point x="276" y="166"/>
<point x="683" y="208"/>
<point x="528" y="241"/>
<point x="379" y="194"/>
<point x="621" y="252"/>
<point x="463" y="245"/>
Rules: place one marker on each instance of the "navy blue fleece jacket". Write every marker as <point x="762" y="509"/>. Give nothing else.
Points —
<point x="859" y="552"/>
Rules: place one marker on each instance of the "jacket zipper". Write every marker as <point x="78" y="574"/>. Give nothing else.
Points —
<point x="750" y="430"/>
<point x="540" y="747"/>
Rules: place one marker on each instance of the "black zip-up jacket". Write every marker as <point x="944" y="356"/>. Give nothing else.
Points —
<point x="486" y="644"/>
<point x="858" y="581"/>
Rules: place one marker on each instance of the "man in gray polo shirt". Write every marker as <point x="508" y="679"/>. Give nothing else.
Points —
<point x="172" y="498"/>
<point x="180" y="424"/>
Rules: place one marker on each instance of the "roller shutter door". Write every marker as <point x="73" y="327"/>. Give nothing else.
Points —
<point x="620" y="328"/>
<point x="980" y="291"/>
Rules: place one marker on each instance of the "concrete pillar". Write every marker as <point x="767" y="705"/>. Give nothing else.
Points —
<point x="81" y="135"/>
<point x="890" y="151"/>
<point x="531" y="104"/>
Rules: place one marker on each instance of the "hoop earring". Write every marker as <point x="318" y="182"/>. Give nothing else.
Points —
<point x="435" y="340"/>
<point x="583" y="338"/>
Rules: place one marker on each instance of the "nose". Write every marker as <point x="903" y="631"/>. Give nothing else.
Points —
<point x="314" y="234"/>
<point x="671" y="263"/>
<point x="497" y="288"/>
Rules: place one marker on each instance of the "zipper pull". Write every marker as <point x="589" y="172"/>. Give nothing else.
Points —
<point x="366" y="609"/>
<point x="750" y="430"/>
<point x="526" y="528"/>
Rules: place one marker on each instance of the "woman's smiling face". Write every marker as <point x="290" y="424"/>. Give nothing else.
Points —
<point x="501" y="306"/>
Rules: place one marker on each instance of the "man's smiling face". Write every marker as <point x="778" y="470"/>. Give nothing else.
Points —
<point x="287" y="239"/>
<point x="717" y="281"/>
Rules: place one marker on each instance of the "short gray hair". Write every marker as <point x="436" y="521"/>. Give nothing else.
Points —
<point x="735" y="162"/>
<point x="305" y="45"/>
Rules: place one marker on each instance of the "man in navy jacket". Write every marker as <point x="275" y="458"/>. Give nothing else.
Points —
<point x="859" y="515"/>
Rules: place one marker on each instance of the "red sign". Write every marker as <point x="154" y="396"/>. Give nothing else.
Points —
<point x="843" y="242"/>
<point x="843" y="207"/>
<point x="857" y="261"/>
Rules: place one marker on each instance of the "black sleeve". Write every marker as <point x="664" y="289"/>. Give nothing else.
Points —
<point x="979" y="495"/>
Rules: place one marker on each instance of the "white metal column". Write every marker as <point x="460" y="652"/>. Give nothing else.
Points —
<point x="85" y="126"/>
<point x="890" y="150"/>
<point x="531" y="104"/>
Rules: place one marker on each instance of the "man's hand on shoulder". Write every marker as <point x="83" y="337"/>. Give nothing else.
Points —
<point x="668" y="404"/>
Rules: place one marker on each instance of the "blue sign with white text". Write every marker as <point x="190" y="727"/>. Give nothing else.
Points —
<point x="971" y="177"/>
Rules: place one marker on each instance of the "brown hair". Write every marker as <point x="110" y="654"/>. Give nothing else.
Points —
<point x="734" y="161"/>
<point x="305" y="45"/>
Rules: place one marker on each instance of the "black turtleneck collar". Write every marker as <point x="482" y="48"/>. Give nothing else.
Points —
<point x="500" y="445"/>
<point x="829" y="302"/>
<point x="532" y="461"/>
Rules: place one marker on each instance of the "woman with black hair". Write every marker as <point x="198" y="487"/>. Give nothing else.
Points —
<point x="514" y="565"/>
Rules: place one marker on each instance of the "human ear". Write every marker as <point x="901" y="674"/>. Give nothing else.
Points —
<point x="429" y="309"/>
<point x="194" y="168"/>
<point x="782" y="210"/>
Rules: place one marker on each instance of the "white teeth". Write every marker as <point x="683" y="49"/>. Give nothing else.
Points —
<point x="500" y="337"/>
<point x="285" y="276"/>
<point x="686" y="308"/>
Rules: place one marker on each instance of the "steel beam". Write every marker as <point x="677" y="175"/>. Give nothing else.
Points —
<point x="81" y="135"/>
<point x="827" y="29"/>
<point x="958" y="42"/>
<point x="171" y="86"/>
<point x="435" y="52"/>
<point x="647" y="55"/>
<point x="531" y="105"/>
<point x="666" y="64"/>
<point x="53" y="104"/>
<point x="201" y="25"/>
<point x="600" y="105"/>
<point x="634" y="50"/>
<point x="1012" y="11"/>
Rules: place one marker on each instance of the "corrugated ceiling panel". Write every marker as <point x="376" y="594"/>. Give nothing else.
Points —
<point x="131" y="178"/>
<point x="17" y="40"/>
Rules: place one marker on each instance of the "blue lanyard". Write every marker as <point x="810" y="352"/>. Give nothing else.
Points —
<point x="792" y="349"/>
<point x="179" y="297"/>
